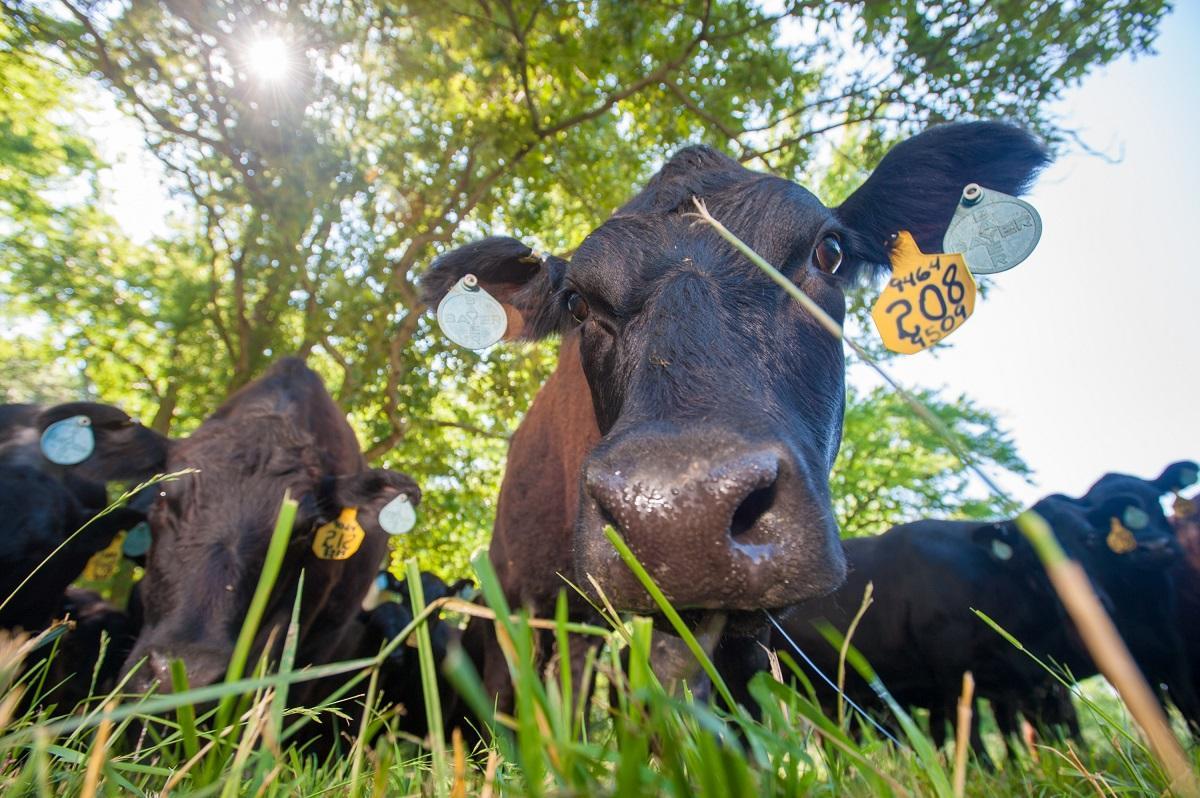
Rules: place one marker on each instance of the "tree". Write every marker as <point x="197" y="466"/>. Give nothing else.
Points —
<point x="394" y="130"/>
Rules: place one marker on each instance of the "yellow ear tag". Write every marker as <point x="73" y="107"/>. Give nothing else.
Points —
<point x="1120" y="539"/>
<point x="1183" y="508"/>
<point x="928" y="297"/>
<point x="105" y="563"/>
<point x="340" y="539"/>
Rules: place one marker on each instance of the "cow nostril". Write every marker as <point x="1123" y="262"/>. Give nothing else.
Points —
<point x="752" y="508"/>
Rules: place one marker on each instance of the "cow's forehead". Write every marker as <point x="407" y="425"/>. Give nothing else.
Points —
<point x="633" y="249"/>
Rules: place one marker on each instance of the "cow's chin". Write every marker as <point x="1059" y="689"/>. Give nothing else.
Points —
<point x="671" y="659"/>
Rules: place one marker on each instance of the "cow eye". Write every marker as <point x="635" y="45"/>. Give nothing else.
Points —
<point x="578" y="307"/>
<point x="828" y="254"/>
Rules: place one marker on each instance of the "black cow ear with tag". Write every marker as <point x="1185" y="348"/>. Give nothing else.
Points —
<point x="374" y="493"/>
<point x="1178" y="476"/>
<point x="524" y="283"/>
<point x="918" y="184"/>
<point x="100" y="442"/>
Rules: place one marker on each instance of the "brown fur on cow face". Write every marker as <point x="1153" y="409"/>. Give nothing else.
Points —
<point x="211" y="529"/>
<point x="719" y="402"/>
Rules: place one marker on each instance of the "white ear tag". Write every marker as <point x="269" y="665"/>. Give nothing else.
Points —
<point x="398" y="516"/>
<point x="69" y="441"/>
<point x="1001" y="550"/>
<point x="470" y="317"/>
<point x="992" y="230"/>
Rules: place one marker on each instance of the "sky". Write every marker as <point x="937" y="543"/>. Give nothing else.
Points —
<point x="1084" y="350"/>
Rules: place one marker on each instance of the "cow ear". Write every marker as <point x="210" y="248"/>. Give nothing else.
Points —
<point x="524" y="281"/>
<point x="1177" y="476"/>
<point x="100" y="442"/>
<point x="917" y="185"/>
<point x="1001" y="540"/>
<point x="1125" y="507"/>
<point x="369" y="491"/>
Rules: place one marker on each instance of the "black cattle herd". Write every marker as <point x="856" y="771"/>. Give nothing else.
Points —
<point x="695" y="410"/>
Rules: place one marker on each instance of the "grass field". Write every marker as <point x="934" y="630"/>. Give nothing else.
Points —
<point x="632" y="738"/>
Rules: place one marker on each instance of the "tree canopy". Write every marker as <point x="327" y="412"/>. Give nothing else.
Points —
<point x="314" y="196"/>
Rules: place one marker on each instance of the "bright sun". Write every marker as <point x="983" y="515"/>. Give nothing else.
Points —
<point x="268" y="58"/>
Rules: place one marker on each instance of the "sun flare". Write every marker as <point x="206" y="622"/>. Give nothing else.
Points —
<point x="268" y="58"/>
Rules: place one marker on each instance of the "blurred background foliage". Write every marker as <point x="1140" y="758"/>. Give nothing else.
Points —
<point x="310" y="201"/>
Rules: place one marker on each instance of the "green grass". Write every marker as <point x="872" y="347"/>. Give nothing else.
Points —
<point x="638" y="739"/>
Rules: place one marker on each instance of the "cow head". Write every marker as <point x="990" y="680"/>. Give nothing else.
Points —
<point x="1136" y="505"/>
<point x="211" y="532"/>
<point x="720" y="400"/>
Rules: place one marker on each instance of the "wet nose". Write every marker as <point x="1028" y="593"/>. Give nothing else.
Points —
<point x="719" y="525"/>
<point x="202" y="668"/>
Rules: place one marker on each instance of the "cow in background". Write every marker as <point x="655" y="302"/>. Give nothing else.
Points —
<point x="695" y="407"/>
<point x="920" y="635"/>
<point x="281" y="434"/>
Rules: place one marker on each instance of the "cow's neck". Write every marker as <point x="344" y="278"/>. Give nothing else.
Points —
<point x="539" y="497"/>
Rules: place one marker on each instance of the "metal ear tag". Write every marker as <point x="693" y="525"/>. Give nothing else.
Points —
<point x="70" y="441"/>
<point x="398" y="516"/>
<point x="470" y="317"/>
<point x="992" y="230"/>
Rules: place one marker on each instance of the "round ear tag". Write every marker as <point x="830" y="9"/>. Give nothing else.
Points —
<point x="69" y="441"/>
<point x="470" y="316"/>
<point x="992" y="230"/>
<point x="1135" y="518"/>
<point x="381" y="582"/>
<point x="398" y="516"/>
<point x="137" y="540"/>
<point x="1001" y="550"/>
<point x="1188" y="477"/>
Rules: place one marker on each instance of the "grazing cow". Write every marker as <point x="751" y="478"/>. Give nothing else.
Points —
<point x="695" y="407"/>
<point x="400" y="676"/>
<point x="920" y="634"/>
<point x="281" y="434"/>
<point x="44" y="503"/>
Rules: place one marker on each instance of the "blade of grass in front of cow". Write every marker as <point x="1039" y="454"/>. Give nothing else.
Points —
<point x="1069" y="582"/>
<point x="120" y="501"/>
<point x="186" y="713"/>
<point x="287" y="660"/>
<point x="671" y="615"/>
<point x="276" y="550"/>
<point x="429" y="685"/>
<point x="1109" y="652"/>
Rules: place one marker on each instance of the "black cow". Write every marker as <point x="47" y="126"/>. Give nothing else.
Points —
<point x="282" y="433"/>
<point x="695" y="407"/>
<point x="920" y="635"/>
<point x="400" y="676"/>
<point x="44" y="503"/>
